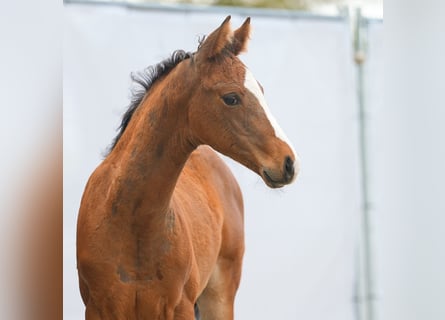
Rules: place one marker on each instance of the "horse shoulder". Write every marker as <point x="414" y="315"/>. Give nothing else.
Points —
<point x="223" y="195"/>
<point x="222" y="180"/>
<point x="232" y="246"/>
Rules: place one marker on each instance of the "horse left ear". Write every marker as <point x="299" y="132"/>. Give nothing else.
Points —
<point x="216" y="41"/>
<point x="241" y="37"/>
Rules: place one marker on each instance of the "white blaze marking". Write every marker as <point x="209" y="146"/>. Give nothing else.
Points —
<point x="252" y="85"/>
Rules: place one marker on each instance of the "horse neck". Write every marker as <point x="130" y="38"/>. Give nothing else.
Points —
<point x="152" y="151"/>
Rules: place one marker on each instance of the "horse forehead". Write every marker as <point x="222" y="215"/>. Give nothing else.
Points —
<point x="228" y="69"/>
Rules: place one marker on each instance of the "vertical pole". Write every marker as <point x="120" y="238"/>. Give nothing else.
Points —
<point x="365" y="294"/>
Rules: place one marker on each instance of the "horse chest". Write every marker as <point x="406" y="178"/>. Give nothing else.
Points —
<point x="161" y="250"/>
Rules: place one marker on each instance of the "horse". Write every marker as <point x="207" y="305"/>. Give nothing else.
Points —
<point x="160" y="232"/>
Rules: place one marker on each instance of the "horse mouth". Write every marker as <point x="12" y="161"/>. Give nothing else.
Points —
<point x="272" y="183"/>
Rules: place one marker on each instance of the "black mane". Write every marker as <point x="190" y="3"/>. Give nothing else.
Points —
<point x="142" y="82"/>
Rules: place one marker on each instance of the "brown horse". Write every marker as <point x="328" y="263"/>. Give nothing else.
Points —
<point x="160" y="226"/>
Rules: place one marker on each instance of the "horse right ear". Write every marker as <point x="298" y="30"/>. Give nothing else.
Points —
<point x="241" y="37"/>
<point x="216" y="41"/>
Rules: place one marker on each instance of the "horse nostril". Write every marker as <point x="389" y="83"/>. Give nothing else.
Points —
<point x="289" y="169"/>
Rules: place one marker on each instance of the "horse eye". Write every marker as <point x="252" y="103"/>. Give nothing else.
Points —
<point x="231" y="99"/>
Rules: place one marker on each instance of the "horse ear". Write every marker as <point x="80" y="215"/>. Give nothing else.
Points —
<point x="216" y="41"/>
<point x="241" y="37"/>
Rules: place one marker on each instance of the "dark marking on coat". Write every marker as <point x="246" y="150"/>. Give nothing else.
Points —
<point x="123" y="275"/>
<point x="153" y="117"/>
<point x="113" y="210"/>
<point x="159" y="151"/>
<point x="159" y="274"/>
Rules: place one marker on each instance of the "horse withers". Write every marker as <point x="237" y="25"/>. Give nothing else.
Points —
<point x="160" y="231"/>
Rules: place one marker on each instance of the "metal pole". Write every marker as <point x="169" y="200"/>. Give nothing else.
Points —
<point x="365" y="290"/>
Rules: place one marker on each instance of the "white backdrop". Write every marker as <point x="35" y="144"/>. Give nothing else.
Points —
<point x="405" y="106"/>
<point x="301" y="240"/>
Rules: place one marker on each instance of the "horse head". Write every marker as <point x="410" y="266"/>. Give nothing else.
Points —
<point x="228" y="110"/>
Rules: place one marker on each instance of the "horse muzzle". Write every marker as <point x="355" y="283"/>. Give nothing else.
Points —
<point x="277" y="178"/>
